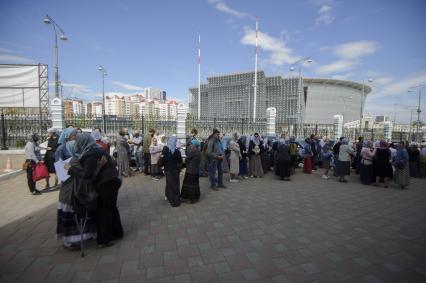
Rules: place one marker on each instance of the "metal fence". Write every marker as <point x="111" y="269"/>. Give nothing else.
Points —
<point x="18" y="125"/>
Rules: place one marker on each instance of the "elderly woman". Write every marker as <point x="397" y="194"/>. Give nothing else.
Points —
<point x="382" y="165"/>
<point x="67" y="134"/>
<point x="67" y="228"/>
<point x="366" y="170"/>
<point x="255" y="148"/>
<point x="234" y="158"/>
<point x="344" y="161"/>
<point x="97" y="136"/>
<point x="32" y="157"/>
<point x="326" y="156"/>
<point x="402" y="168"/>
<point x="414" y="154"/>
<point x="282" y="160"/>
<point x="422" y="161"/>
<point x="172" y="161"/>
<point x="155" y="151"/>
<point x="123" y="154"/>
<point x="191" y="184"/>
<point x="106" y="183"/>
<point x="243" y="170"/>
<point x="49" y="157"/>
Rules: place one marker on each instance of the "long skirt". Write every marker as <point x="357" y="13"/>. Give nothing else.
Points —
<point x="283" y="169"/>
<point x="190" y="187"/>
<point x="256" y="166"/>
<point x="225" y="164"/>
<point x="422" y="166"/>
<point x="402" y="176"/>
<point x="107" y="215"/>
<point x="343" y="168"/>
<point x="414" y="169"/>
<point x="266" y="166"/>
<point x="66" y="227"/>
<point x="307" y="165"/>
<point x="243" y="167"/>
<point x="155" y="170"/>
<point x="172" y="187"/>
<point x="366" y="174"/>
<point x="123" y="164"/>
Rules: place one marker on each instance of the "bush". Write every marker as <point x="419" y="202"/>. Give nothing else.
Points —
<point x="20" y="143"/>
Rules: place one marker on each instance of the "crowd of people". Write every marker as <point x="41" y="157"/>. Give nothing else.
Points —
<point x="91" y="160"/>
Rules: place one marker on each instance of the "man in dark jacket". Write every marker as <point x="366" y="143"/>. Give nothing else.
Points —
<point x="214" y="157"/>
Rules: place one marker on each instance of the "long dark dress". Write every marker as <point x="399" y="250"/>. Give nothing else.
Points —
<point x="191" y="182"/>
<point x="49" y="157"/>
<point x="414" y="155"/>
<point x="106" y="184"/>
<point x="172" y="164"/>
<point x="243" y="160"/>
<point x="283" y="161"/>
<point x="382" y="165"/>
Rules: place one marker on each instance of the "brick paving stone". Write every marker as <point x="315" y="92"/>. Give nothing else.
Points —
<point x="305" y="230"/>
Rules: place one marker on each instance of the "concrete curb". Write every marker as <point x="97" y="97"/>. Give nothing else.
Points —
<point x="12" y="152"/>
<point x="9" y="175"/>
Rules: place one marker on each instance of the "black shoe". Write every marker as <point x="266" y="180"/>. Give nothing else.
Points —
<point x="36" y="192"/>
<point x="214" y="188"/>
<point x="101" y="246"/>
<point x="222" y="186"/>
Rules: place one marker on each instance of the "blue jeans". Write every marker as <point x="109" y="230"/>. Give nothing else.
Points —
<point x="138" y="157"/>
<point x="213" y="165"/>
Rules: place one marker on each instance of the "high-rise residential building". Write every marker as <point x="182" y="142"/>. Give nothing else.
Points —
<point x="68" y="108"/>
<point x="94" y="109"/>
<point x="132" y="104"/>
<point x="155" y="93"/>
<point x="314" y="101"/>
<point x="115" y="105"/>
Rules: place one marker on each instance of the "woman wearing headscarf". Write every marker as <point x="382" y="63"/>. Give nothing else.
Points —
<point x="155" y="151"/>
<point x="243" y="170"/>
<point x="382" y="164"/>
<point x="191" y="184"/>
<point x="49" y="157"/>
<point x="234" y="158"/>
<point x="307" y="158"/>
<point x="422" y="161"/>
<point x="414" y="154"/>
<point x="97" y="136"/>
<point x="172" y="161"/>
<point x="344" y="161"/>
<point x="67" y="134"/>
<point x="326" y="156"/>
<point x="402" y="168"/>
<point x="282" y="160"/>
<point x="67" y="228"/>
<point x="32" y="157"/>
<point x="265" y="156"/>
<point x="255" y="151"/>
<point x="123" y="154"/>
<point x="106" y="183"/>
<point x="366" y="170"/>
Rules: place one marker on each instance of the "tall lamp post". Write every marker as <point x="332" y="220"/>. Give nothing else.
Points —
<point x="362" y="104"/>
<point x="104" y="73"/>
<point x="58" y="31"/>
<point x="419" y="89"/>
<point x="300" y="64"/>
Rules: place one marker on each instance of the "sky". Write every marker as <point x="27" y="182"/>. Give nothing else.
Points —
<point x="155" y="44"/>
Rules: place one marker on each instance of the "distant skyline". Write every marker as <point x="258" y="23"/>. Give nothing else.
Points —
<point x="154" y="44"/>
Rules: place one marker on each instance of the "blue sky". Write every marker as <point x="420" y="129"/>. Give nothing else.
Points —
<point x="154" y="43"/>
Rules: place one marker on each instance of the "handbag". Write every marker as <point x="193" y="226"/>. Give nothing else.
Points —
<point x="40" y="172"/>
<point x="25" y="165"/>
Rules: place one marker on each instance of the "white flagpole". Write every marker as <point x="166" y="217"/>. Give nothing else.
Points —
<point x="255" y="73"/>
<point x="199" y="77"/>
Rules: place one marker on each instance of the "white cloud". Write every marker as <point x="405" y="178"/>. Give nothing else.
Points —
<point x="325" y="15"/>
<point x="349" y="55"/>
<point x="356" y="49"/>
<point x="76" y="88"/>
<point x="5" y="50"/>
<point x="13" y="59"/>
<point x="399" y="88"/>
<point x="127" y="86"/>
<point x="223" y="7"/>
<point x="279" y="52"/>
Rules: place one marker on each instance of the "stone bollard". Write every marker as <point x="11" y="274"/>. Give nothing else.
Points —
<point x="57" y="110"/>
<point x="387" y="131"/>
<point x="180" y="123"/>
<point x="338" y="126"/>
<point x="271" y="115"/>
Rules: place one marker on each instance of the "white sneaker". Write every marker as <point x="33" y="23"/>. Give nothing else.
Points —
<point x="324" y="177"/>
<point x="233" y="181"/>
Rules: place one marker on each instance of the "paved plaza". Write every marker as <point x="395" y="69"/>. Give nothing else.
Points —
<point x="258" y="230"/>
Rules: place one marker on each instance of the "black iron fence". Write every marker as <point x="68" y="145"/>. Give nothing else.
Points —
<point x="16" y="126"/>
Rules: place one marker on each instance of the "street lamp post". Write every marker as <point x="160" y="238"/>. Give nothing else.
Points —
<point x="299" y="64"/>
<point x="419" y="89"/>
<point x="104" y="73"/>
<point x="362" y="108"/>
<point x="344" y="107"/>
<point x="57" y="29"/>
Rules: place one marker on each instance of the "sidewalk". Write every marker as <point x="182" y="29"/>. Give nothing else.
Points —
<point x="258" y="230"/>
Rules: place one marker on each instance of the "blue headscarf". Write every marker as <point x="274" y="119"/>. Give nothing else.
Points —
<point x="66" y="133"/>
<point x="83" y="144"/>
<point x="96" y="135"/>
<point x="171" y="143"/>
<point x="196" y="143"/>
<point x="401" y="154"/>
<point x="70" y="146"/>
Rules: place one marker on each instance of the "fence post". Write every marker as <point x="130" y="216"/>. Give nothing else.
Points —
<point x="3" y="132"/>
<point x="142" y="125"/>
<point x="180" y="124"/>
<point x="214" y="122"/>
<point x="271" y="114"/>
<point x="58" y="121"/>
<point x="242" y="126"/>
<point x="338" y="126"/>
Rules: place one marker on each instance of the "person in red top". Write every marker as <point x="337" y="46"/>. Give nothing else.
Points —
<point x="97" y="136"/>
